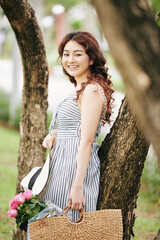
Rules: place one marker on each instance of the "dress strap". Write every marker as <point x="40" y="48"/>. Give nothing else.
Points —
<point x="105" y="100"/>
<point x="53" y="121"/>
<point x="54" y="117"/>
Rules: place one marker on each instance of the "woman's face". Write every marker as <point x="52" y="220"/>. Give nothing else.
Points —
<point x="75" y="60"/>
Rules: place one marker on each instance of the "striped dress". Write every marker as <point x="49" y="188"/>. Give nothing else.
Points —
<point x="64" y="160"/>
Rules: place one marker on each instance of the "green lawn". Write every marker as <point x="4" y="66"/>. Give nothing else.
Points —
<point x="148" y="218"/>
<point x="148" y="206"/>
<point x="9" y="144"/>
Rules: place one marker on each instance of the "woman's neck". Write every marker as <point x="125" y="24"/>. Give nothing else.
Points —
<point x="79" y="82"/>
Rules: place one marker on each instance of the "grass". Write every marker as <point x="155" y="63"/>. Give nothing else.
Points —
<point x="148" y="205"/>
<point x="148" y="212"/>
<point x="147" y="216"/>
<point x="9" y="142"/>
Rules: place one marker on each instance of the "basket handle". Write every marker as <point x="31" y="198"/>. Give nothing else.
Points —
<point x="82" y="212"/>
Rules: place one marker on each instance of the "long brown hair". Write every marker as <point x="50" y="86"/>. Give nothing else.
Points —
<point x="98" y="71"/>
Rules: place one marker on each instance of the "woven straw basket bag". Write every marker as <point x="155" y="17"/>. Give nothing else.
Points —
<point x="97" y="225"/>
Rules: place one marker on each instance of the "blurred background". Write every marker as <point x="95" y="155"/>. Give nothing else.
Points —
<point x="56" y="18"/>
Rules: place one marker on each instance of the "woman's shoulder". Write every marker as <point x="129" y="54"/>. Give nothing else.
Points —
<point x="91" y="88"/>
<point x="92" y="91"/>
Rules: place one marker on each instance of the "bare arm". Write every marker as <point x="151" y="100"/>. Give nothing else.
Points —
<point x="91" y="108"/>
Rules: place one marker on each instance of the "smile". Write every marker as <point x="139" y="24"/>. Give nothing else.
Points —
<point x="72" y="66"/>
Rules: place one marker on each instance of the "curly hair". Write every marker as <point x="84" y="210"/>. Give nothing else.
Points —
<point x="98" y="71"/>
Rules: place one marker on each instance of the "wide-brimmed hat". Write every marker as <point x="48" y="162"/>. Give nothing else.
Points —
<point x="37" y="178"/>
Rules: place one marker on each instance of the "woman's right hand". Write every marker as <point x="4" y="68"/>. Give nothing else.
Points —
<point x="50" y="139"/>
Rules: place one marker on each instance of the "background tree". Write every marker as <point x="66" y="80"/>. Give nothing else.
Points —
<point x="134" y="40"/>
<point x="123" y="151"/>
<point x="34" y="100"/>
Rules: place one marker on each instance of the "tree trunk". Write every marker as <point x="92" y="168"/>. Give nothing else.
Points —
<point x="35" y="92"/>
<point x="122" y="155"/>
<point x="134" y="41"/>
<point x="158" y="235"/>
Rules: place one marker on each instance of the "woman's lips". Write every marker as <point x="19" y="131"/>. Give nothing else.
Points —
<point x="72" y="66"/>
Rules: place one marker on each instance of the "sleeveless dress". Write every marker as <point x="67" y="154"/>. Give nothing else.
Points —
<point x="64" y="160"/>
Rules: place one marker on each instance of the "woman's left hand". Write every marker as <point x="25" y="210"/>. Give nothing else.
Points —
<point x="76" y="198"/>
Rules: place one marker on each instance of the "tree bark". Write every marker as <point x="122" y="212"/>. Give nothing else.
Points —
<point x="34" y="100"/>
<point x="122" y="155"/>
<point x="134" y="41"/>
<point x="158" y="235"/>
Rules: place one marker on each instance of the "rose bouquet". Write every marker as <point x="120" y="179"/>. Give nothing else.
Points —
<point x="25" y="206"/>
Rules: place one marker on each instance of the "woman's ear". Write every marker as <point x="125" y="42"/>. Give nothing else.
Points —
<point x="91" y="62"/>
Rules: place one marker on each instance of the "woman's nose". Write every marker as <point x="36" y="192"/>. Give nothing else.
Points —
<point x="71" y="58"/>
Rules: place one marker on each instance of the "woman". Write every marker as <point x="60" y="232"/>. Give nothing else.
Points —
<point x="75" y="167"/>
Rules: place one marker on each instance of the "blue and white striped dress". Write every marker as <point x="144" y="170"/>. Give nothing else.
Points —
<point x="64" y="160"/>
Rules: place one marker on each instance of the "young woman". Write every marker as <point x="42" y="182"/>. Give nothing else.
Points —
<point x="75" y="167"/>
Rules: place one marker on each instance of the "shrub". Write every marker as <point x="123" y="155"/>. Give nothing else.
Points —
<point x="4" y="106"/>
<point x="151" y="178"/>
<point x="16" y="120"/>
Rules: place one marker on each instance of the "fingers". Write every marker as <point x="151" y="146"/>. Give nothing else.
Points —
<point x="77" y="206"/>
<point x="70" y="201"/>
<point x="49" y="141"/>
<point x="44" y="144"/>
<point x="77" y="202"/>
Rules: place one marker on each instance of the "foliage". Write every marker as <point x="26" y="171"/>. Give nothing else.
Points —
<point x="77" y="25"/>
<point x="155" y="8"/>
<point x="4" y="106"/>
<point x="155" y="5"/>
<point x="5" y="110"/>
<point x="16" y="120"/>
<point x="118" y="85"/>
<point x="67" y="4"/>
<point x="151" y="177"/>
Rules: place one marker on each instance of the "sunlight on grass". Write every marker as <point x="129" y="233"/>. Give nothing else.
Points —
<point x="9" y="144"/>
<point x="6" y="226"/>
<point x="148" y="205"/>
<point x="147" y="218"/>
<point x="7" y="178"/>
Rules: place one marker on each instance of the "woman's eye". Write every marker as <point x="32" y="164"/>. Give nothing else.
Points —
<point x="78" y="54"/>
<point x="65" y="54"/>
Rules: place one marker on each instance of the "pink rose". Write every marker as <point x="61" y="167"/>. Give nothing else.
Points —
<point x="19" y="199"/>
<point x="12" y="213"/>
<point x="28" y="194"/>
<point x="13" y="204"/>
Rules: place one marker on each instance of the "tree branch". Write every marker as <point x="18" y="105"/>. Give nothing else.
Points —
<point x="134" y="41"/>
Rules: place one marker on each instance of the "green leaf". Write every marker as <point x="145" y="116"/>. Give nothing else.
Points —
<point x="28" y="211"/>
<point x="33" y="200"/>
<point x="32" y="205"/>
<point x="43" y="205"/>
<point x="36" y="209"/>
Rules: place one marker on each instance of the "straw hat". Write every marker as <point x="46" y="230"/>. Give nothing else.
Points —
<point x="37" y="178"/>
